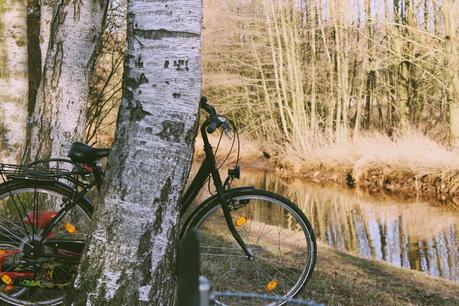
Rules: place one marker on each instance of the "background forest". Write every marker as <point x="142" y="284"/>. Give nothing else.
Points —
<point x="329" y="86"/>
<point x="308" y="70"/>
<point x="332" y="82"/>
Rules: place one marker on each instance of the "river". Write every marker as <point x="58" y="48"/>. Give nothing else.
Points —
<point x="411" y="234"/>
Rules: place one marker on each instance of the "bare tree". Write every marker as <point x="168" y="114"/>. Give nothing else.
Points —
<point x="59" y="117"/>
<point x="452" y="62"/>
<point x="105" y="87"/>
<point x="13" y="79"/>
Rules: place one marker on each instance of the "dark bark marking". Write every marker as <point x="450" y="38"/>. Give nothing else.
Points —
<point x="57" y="21"/>
<point x="4" y="146"/>
<point x="172" y="130"/>
<point x="138" y="62"/>
<point x="135" y="83"/>
<point x="149" y="130"/>
<point x="57" y="64"/>
<point x="163" y="33"/>
<point x="77" y="9"/>
<point x="136" y="112"/>
<point x="176" y="95"/>
<point x="121" y="295"/>
<point x="163" y="197"/>
<point x="165" y="191"/>
<point x="33" y="55"/>
<point x="166" y="64"/>
<point x="142" y="79"/>
<point x="181" y="65"/>
<point x="144" y="255"/>
<point x="191" y="133"/>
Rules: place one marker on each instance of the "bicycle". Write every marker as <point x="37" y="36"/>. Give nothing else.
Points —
<point x="45" y="215"/>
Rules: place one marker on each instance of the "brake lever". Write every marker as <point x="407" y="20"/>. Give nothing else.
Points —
<point x="226" y="128"/>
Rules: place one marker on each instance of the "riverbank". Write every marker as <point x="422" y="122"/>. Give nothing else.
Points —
<point x="412" y="166"/>
<point x="342" y="279"/>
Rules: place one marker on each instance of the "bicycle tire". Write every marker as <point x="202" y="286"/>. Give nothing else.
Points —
<point x="42" y="193"/>
<point x="231" y="270"/>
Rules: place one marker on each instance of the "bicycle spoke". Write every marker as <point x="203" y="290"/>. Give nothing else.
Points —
<point x="21" y="218"/>
<point x="9" y="232"/>
<point x="281" y="263"/>
<point x="33" y="206"/>
<point x="12" y="223"/>
<point x="35" y="211"/>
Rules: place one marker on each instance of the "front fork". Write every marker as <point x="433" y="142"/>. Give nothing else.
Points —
<point x="227" y="212"/>
<point x="232" y="228"/>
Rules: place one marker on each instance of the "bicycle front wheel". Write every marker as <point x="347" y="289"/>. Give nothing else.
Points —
<point x="276" y="232"/>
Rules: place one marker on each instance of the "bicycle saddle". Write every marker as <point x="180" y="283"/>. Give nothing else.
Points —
<point x="82" y="153"/>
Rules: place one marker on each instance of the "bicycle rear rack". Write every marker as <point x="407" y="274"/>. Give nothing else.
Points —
<point x="51" y="170"/>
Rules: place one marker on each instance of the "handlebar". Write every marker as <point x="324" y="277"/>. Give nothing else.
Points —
<point x="208" y="108"/>
<point x="214" y="121"/>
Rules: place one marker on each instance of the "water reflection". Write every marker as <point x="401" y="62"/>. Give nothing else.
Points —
<point x="414" y="235"/>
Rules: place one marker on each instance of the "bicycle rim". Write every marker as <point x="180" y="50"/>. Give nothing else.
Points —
<point x="280" y="239"/>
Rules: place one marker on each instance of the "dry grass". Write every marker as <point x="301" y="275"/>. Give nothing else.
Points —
<point x="409" y="165"/>
<point x="341" y="279"/>
<point x="412" y="151"/>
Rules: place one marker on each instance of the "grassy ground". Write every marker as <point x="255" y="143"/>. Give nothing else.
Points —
<point x="342" y="279"/>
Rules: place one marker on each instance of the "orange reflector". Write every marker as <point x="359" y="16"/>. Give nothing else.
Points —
<point x="7" y="279"/>
<point x="70" y="228"/>
<point x="240" y="221"/>
<point x="271" y="285"/>
<point x="8" y="288"/>
<point x="3" y="252"/>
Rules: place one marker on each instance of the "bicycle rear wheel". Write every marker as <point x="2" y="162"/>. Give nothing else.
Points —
<point x="40" y="273"/>
<point x="275" y="231"/>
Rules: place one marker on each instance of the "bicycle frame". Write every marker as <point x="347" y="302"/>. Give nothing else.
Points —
<point x="208" y="168"/>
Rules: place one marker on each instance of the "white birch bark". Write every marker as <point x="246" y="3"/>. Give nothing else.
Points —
<point x="59" y="117"/>
<point x="131" y="253"/>
<point x="13" y="79"/>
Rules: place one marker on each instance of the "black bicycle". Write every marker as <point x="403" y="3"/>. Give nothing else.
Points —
<point x="251" y="240"/>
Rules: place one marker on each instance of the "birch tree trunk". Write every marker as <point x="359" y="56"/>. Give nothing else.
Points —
<point x="13" y="79"/>
<point x="130" y="259"/>
<point x="59" y="117"/>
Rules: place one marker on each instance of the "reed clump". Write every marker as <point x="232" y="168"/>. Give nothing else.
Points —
<point x="411" y="164"/>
